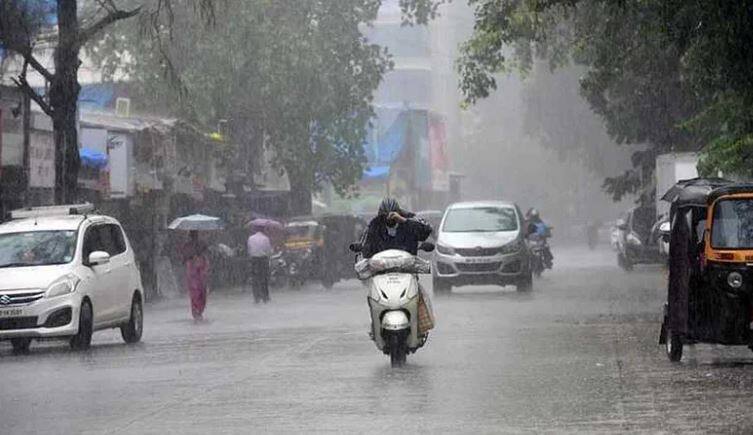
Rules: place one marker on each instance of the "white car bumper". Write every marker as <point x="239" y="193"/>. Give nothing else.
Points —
<point x="44" y="318"/>
<point x="461" y="270"/>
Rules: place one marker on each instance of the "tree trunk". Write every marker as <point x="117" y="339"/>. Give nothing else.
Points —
<point x="300" y="194"/>
<point x="64" y="91"/>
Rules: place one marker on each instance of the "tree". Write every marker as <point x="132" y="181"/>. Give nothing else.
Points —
<point x="296" y="77"/>
<point x="21" y="23"/>
<point x="668" y="74"/>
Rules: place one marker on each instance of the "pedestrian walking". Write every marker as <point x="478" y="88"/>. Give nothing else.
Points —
<point x="259" y="251"/>
<point x="194" y="255"/>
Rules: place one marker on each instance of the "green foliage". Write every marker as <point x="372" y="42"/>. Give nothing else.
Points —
<point x="671" y="74"/>
<point x="294" y="76"/>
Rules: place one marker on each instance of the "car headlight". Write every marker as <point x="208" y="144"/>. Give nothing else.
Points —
<point x="510" y="248"/>
<point x="63" y="286"/>
<point x="446" y="250"/>
<point x="735" y="280"/>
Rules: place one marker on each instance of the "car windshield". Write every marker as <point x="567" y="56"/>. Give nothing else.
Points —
<point x="732" y="227"/>
<point x="480" y="219"/>
<point x="37" y="248"/>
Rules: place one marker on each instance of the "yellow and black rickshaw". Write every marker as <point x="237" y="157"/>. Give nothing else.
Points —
<point x="710" y="292"/>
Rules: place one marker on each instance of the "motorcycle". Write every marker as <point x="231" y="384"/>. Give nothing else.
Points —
<point x="540" y="259"/>
<point x="278" y="270"/>
<point x="300" y="266"/>
<point x="396" y="303"/>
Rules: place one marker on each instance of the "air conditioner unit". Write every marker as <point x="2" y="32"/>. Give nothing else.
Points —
<point x="123" y="107"/>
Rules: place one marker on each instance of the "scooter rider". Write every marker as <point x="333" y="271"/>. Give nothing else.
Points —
<point x="538" y="229"/>
<point x="394" y="228"/>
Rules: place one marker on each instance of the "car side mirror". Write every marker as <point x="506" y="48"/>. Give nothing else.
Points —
<point x="98" y="258"/>
<point x="356" y="247"/>
<point x="426" y="246"/>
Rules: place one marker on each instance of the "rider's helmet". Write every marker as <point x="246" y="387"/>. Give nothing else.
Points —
<point x="388" y="205"/>
<point x="532" y="213"/>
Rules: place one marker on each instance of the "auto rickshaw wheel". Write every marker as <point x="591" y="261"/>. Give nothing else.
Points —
<point x="673" y="346"/>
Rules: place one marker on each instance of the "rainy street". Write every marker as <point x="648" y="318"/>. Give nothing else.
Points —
<point x="577" y="354"/>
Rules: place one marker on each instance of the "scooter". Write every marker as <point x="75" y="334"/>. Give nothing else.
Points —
<point x="394" y="294"/>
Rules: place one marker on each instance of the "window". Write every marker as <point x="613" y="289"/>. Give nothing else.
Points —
<point x="92" y="242"/>
<point x="118" y="240"/>
<point x="732" y="225"/>
<point x="107" y="238"/>
<point x="480" y="220"/>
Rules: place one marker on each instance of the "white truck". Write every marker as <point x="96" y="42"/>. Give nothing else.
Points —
<point x="671" y="168"/>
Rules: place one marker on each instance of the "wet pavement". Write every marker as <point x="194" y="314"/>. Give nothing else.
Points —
<point x="578" y="354"/>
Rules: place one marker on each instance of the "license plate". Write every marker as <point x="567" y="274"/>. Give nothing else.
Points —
<point x="13" y="312"/>
<point x="479" y="260"/>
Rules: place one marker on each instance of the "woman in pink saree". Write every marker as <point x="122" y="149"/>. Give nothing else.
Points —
<point x="197" y="273"/>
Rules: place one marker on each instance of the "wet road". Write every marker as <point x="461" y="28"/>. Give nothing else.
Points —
<point x="578" y="354"/>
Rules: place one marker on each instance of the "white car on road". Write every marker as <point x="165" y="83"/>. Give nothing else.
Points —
<point x="481" y="243"/>
<point x="65" y="274"/>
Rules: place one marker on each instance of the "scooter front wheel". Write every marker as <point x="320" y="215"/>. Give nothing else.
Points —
<point x="398" y="352"/>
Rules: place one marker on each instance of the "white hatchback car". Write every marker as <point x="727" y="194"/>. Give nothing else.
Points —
<point x="482" y="242"/>
<point x="65" y="274"/>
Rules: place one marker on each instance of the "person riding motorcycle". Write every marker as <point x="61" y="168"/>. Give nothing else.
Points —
<point x="537" y="229"/>
<point x="394" y="228"/>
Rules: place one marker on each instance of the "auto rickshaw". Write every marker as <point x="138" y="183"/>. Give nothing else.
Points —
<point x="302" y="250"/>
<point x="710" y="292"/>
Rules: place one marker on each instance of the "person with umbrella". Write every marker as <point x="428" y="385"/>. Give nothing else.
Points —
<point x="193" y="253"/>
<point x="259" y="251"/>
<point x="194" y="256"/>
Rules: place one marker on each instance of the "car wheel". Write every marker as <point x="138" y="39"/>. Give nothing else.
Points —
<point x="20" y="345"/>
<point x="131" y="331"/>
<point x="526" y="283"/>
<point x="673" y="346"/>
<point x="440" y="286"/>
<point x="83" y="339"/>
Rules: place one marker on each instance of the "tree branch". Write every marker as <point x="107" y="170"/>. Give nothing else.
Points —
<point x="23" y="85"/>
<point x="31" y="60"/>
<point x="86" y="34"/>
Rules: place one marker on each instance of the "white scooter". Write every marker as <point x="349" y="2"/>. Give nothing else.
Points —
<point x="392" y="278"/>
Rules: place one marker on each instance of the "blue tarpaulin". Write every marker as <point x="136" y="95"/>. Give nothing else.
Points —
<point x="386" y="141"/>
<point x="92" y="158"/>
<point x="376" y="173"/>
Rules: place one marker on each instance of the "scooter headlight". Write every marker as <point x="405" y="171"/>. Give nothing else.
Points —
<point x="412" y="291"/>
<point x="63" y="286"/>
<point x="735" y="280"/>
